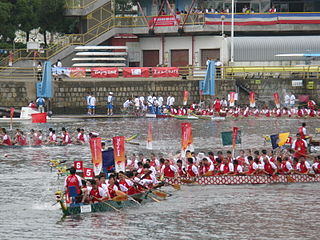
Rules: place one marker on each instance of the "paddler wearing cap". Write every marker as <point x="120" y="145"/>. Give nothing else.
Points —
<point x="110" y="104"/>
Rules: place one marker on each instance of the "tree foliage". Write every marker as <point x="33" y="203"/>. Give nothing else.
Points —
<point x="25" y="15"/>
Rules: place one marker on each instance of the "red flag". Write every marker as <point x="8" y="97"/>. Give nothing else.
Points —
<point x="276" y="99"/>
<point x="186" y="136"/>
<point x="234" y="136"/>
<point x="185" y="97"/>
<point x="11" y="112"/>
<point x="96" y="153"/>
<point x="252" y="99"/>
<point x="119" y="153"/>
<point x="39" y="117"/>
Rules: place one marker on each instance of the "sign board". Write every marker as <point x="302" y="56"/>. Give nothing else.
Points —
<point x="88" y="173"/>
<point x="297" y="83"/>
<point x="78" y="165"/>
<point x="85" y="208"/>
<point x="33" y="46"/>
<point x="310" y="85"/>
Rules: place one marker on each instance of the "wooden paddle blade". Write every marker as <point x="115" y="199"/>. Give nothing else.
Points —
<point x="207" y="174"/>
<point x="160" y="194"/>
<point x="120" y="193"/>
<point x="311" y="175"/>
<point x="187" y="180"/>
<point x="290" y="179"/>
<point x="176" y="186"/>
<point x="120" y="198"/>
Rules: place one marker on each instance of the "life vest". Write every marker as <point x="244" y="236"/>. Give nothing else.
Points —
<point x="206" y="168"/>
<point x="95" y="193"/>
<point x="111" y="191"/>
<point x="190" y="171"/>
<point x="81" y="137"/>
<point x="7" y="141"/>
<point x="72" y="180"/>
<point x="217" y="105"/>
<point x="131" y="189"/>
<point x="250" y="169"/>
<point x="181" y="172"/>
<point x="22" y="141"/>
<point x="283" y="167"/>
<point x="167" y="171"/>
<point x="66" y="138"/>
<point x="303" y="168"/>
<point x="268" y="168"/>
<point x="226" y="169"/>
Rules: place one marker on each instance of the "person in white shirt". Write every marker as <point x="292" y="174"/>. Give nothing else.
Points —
<point x="171" y="101"/>
<point x="286" y="100"/>
<point x="127" y="104"/>
<point x="110" y="104"/>
<point x="292" y="100"/>
<point x="88" y="99"/>
<point x="168" y="101"/>
<point x="93" y="104"/>
<point x="160" y="101"/>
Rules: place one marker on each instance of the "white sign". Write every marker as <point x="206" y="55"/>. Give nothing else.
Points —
<point x="85" y="208"/>
<point x="297" y="83"/>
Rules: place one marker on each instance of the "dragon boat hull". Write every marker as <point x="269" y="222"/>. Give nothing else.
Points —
<point x="236" y="180"/>
<point x="134" y="200"/>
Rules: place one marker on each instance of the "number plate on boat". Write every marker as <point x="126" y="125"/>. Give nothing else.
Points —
<point x="85" y="208"/>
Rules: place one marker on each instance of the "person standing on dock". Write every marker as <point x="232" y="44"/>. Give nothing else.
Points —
<point x="40" y="102"/>
<point x="92" y="104"/>
<point x="87" y="99"/>
<point x="110" y="104"/>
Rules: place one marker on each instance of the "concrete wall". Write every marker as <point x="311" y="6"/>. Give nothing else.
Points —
<point x="69" y="96"/>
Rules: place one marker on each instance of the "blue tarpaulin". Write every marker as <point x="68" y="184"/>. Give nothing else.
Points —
<point x="44" y="88"/>
<point x="208" y="85"/>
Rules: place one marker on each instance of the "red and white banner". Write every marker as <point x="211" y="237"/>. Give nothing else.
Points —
<point x="162" y="21"/>
<point x="232" y="97"/>
<point x="130" y="72"/>
<point x="103" y="72"/>
<point x="119" y="153"/>
<point x="149" y="136"/>
<point x="186" y="136"/>
<point x="234" y="136"/>
<point x="95" y="147"/>
<point x="276" y="99"/>
<point x="77" y="72"/>
<point x="11" y="112"/>
<point x="185" y="97"/>
<point x="78" y="165"/>
<point x="165" y="72"/>
<point x="88" y="173"/>
<point x="252" y="99"/>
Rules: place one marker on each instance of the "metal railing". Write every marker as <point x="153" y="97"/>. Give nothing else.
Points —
<point x="196" y="73"/>
<point x="78" y="4"/>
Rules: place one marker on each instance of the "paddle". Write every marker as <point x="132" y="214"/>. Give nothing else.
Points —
<point x="121" y="196"/>
<point x="290" y="179"/>
<point x="109" y="205"/>
<point x="187" y="180"/>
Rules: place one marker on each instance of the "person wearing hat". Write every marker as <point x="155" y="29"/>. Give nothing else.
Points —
<point x="110" y="104"/>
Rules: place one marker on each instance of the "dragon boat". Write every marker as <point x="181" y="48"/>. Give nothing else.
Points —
<point x="236" y="180"/>
<point x="106" y="206"/>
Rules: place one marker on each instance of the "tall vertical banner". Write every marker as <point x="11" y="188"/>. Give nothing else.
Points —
<point x="234" y="139"/>
<point x="185" y="97"/>
<point x="11" y="116"/>
<point x="276" y="99"/>
<point x="232" y="97"/>
<point x="119" y="153"/>
<point x="96" y="154"/>
<point x="252" y="99"/>
<point x="149" y="136"/>
<point x="186" y="136"/>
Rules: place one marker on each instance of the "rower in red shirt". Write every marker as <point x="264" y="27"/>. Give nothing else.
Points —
<point x="66" y="139"/>
<point x="299" y="146"/>
<point x="227" y="167"/>
<point x="303" y="166"/>
<point x="126" y="185"/>
<point x="316" y="165"/>
<point x="97" y="194"/>
<point x="192" y="170"/>
<point x="207" y="168"/>
<point x="168" y="170"/>
<point x="181" y="171"/>
<point x="269" y="167"/>
<point x="6" y="140"/>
